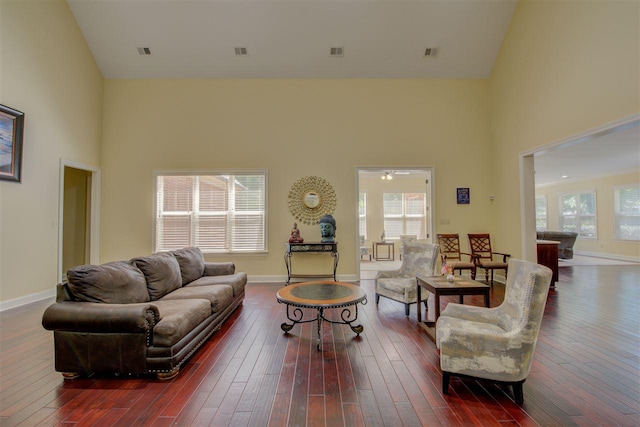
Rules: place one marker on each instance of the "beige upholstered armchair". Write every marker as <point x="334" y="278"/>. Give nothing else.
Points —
<point x="400" y="285"/>
<point x="496" y="343"/>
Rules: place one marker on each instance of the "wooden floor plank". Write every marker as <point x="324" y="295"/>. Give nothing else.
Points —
<point x="585" y="372"/>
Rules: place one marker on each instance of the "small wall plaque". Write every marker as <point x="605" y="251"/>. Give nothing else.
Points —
<point x="463" y="196"/>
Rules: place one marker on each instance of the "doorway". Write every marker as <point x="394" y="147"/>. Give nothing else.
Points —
<point x="579" y="157"/>
<point x="78" y="228"/>
<point x="392" y="202"/>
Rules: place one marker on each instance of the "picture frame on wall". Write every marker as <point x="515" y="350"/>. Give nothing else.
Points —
<point x="11" y="136"/>
<point x="463" y="196"/>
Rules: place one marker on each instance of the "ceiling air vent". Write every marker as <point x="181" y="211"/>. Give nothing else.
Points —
<point x="337" y="51"/>
<point x="144" y="51"/>
<point x="430" y="51"/>
<point x="241" y="51"/>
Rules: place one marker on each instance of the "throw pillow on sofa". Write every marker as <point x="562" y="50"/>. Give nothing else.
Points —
<point x="162" y="273"/>
<point x="191" y="264"/>
<point x="118" y="282"/>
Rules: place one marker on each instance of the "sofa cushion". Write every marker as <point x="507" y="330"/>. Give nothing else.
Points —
<point x="162" y="273"/>
<point x="237" y="281"/>
<point x="191" y="264"/>
<point x="118" y="282"/>
<point x="178" y="318"/>
<point x="219" y="296"/>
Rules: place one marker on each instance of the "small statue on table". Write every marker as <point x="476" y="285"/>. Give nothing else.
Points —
<point x="295" y="234"/>
<point x="328" y="229"/>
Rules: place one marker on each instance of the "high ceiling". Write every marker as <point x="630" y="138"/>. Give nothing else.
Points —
<point x="294" y="38"/>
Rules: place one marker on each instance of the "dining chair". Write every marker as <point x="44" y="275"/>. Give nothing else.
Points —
<point x="496" y="343"/>
<point x="482" y="254"/>
<point x="452" y="256"/>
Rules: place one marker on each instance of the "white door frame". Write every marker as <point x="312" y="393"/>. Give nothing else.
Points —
<point x="527" y="180"/>
<point x="94" y="213"/>
<point x="430" y="189"/>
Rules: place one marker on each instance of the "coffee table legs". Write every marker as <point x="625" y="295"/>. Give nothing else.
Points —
<point x="348" y="316"/>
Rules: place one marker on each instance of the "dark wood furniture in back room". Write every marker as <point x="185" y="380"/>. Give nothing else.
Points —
<point x="548" y="256"/>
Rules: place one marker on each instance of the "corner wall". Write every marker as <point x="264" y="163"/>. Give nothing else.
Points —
<point x="565" y="67"/>
<point x="47" y="72"/>
<point x="293" y="128"/>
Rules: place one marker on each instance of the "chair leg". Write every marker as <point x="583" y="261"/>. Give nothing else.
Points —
<point x="517" y="392"/>
<point x="377" y="298"/>
<point x="445" y="382"/>
<point x="406" y="310"/>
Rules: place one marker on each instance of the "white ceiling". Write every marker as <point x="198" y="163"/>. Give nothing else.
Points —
<point x="293" y="38"/>
<point x="611" y="152"/>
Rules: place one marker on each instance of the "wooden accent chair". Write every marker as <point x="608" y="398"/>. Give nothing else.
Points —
<point x="498" y="343"/>
<point x="418" y="258"/>
<point x="451" y="255"/>
<point x="483" y="255"/>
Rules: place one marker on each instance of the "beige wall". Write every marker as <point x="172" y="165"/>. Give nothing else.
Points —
<point x="293" y="128"/>
<point x="604" y="188"/>
<point x="47" y="72"/>
<point x="565" y="67"/>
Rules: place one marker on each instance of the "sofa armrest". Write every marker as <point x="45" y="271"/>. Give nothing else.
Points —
<point x="219" y="268"/>
<point x="100" y="317"/>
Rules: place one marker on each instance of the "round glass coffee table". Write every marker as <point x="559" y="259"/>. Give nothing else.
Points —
<point x="321" y="295"/>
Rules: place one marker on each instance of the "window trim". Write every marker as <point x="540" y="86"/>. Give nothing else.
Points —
<point x="546" y="210"/>
<point x="202" y="172"/>
<point x="595" y="215"/>
<point x="362" y="217"/>
<point x="404" y="216"/>
<point x="615" y="214"/>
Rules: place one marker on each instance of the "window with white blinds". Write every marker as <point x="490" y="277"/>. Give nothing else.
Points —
<point x="404" y="213"/>
<point x="362" y="214"/>
<point x="578" y="213"/>
<point x="215" y="212"/>
<point x="627" y="212"/>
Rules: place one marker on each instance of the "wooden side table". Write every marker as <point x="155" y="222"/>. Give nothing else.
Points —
<point x="390" y="251"/>
<point x="439" y="285"/>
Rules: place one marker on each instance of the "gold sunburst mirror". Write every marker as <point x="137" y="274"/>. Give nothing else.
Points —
<point x="310" y="198"/>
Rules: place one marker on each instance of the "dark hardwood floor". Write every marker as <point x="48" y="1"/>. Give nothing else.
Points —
<point x="585" y="372"/>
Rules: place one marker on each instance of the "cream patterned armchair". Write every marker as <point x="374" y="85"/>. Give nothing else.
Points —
<point x="496" y="343"/>
<point x="418" y="258"/>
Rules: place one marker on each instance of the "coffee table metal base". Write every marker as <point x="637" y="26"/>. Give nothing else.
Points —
<point x="322" y="295"/>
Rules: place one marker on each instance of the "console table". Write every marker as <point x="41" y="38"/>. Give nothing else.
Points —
<point x="301" y="248"/>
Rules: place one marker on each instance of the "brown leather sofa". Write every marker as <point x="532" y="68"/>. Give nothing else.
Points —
<point x="566" y="238"/>
<point x="145" y="315"/>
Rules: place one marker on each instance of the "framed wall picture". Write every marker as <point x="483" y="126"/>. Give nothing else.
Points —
<point x="463" y="196"/>
<point x="11" y="133"/>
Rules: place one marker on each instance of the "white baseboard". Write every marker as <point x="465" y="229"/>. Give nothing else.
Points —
<point x="283" y="279"/>
<point x="608" y="256"/>
<point x="27" y="299"/>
